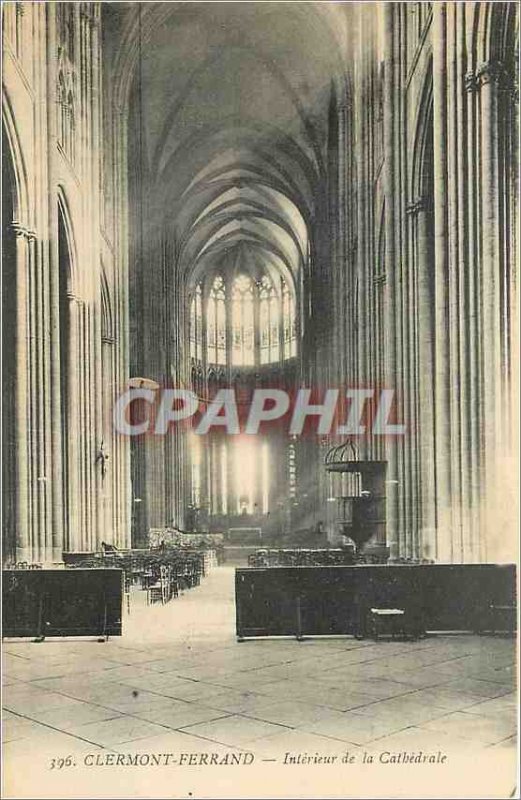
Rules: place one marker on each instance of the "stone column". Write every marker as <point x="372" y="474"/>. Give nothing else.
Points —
<point x="23" y="548"/>
<point x="426" y="342"/>
<point x="443" y="544"/>
<point x="455" y="132"/>
<point x="474" y="317"/>
<point x="122" y="454"/>
<point x="204" y="389"/>
<point x="230" y="467"/>
<point x="488" y="75"/>
<point x="230" y="440"/>
<point x="343" y="177"/>
<point x="54" y="545"/>
<point x="109" y="482"/>
<point x="256" y="328"/>
<point x="35" y="399"/>
<point x="390" y="257"/>
<point x="73" y="455"/>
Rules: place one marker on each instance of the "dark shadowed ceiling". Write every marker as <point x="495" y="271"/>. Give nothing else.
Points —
<point x="230" y="103"/>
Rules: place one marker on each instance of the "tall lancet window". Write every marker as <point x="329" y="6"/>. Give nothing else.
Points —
<point x="288" y="323"/>
<point x="242" y="321"/>
<point x="216" y="323"/>
<point x="196" y="324"/>
<point x="269" y="313"/>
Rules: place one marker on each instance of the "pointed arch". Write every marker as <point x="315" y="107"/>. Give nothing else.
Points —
<point x="16" y="162"/>
<point x="68" y="239"/>
<point x="107" y="318"/>
<point x="421" y="176"/>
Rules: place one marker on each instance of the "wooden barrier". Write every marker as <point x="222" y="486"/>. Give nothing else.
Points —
<point x="318" y="601"/>
<point x="61" y="602"/>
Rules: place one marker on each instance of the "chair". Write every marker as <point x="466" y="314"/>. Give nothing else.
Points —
<point x="157" y="591"/>
<point x="174" y="583"/>
<point x="384" y="620"/>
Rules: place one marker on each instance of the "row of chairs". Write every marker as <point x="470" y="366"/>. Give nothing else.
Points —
<point x="162" y="587"/>
<point x="140" y="563"/>
<point x="162" y="575"/>
<point x="162" y="582"/>
<point x="302" y="557"/>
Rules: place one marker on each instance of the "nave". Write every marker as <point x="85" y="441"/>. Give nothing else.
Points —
<point x="260" y="197"/>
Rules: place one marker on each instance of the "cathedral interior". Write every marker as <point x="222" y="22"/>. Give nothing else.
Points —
<point x="256" y="196"/>
<point x="218" y="195"/>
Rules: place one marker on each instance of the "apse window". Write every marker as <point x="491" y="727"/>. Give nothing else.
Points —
<point x="242" y="321"/>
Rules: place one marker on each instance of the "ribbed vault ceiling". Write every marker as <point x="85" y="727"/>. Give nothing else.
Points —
<point x="233" y="102"/>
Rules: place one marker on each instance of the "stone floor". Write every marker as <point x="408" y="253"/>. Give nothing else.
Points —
<point x="177" y="681"/>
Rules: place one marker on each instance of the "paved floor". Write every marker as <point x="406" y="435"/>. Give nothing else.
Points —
<point x="178" y="681"/>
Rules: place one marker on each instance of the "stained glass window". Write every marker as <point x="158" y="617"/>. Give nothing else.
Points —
<point x="288" y="323"/>
<point x="269" y="321"/>
<point x="235" y="308"/>
<point x="196" y="324"/>
<point x="216" y="323"/>
<point x="242" y="321"/>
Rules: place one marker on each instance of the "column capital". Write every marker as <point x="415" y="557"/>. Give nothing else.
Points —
<point x="417" y="205"/>
<point x="73" y="298"/>
<point x="471" y="82"/>
<point x="22" y="230"/>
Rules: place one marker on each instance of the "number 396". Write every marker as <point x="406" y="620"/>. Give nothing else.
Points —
<point x="60" y="763"/>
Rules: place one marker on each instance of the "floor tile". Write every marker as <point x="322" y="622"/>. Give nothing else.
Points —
<point x="122" y="729"/>
<point x="17" y="728"/>
<point x="177" y="742"/>
<point x="351" y="727"/>
<point x="407" y="709"/>
<point x="23" y="702"/>
<point x="291" y="713"/>
<point x="294" y="743"/>
<point x="180" y="715"/>
<point x="443" y="697"/>
<point x="474" y="727"/>
<point x="478" y="687"/>
<point x="69" y="720"/>
<point x="234" y="730"/>
<point x="235" y="702"/>
<point x="505" y="704"/>
<point x="413" y="738"/>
